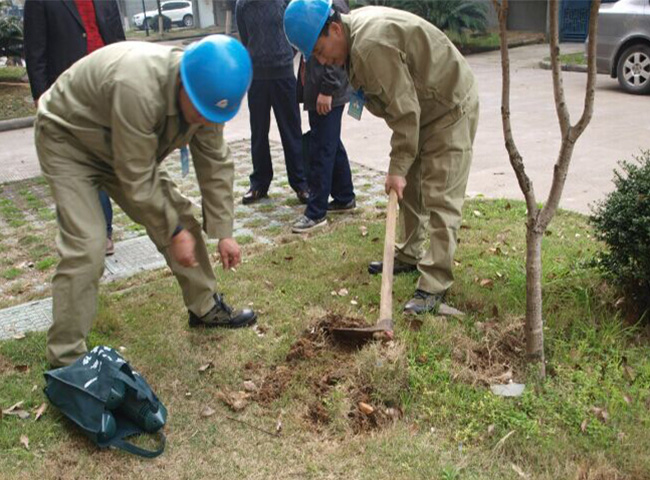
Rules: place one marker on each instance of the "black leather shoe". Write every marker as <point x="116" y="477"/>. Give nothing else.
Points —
<point x="253" y="196"/>
<point x="223" y="316"/>
<point x="424" y="302"/>
<point x="375" y="268"/>
<point x="335" y="206"/>
<point x="303" y="196"/>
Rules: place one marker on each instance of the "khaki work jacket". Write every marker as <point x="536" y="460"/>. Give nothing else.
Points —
<point x="119" y="108"/>
<point x="409" y="72"/>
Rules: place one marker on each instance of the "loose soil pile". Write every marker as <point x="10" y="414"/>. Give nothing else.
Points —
<point x="324" y="364"/>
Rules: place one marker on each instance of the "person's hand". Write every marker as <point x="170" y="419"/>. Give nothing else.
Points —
<point x="230" y="253"/>
<point x="323" y="104"/>
<point x="397" y="183"/>
<point x="182" y="249"/>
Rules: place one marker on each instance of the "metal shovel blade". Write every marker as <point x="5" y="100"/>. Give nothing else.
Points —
<point x="382" y="330"/>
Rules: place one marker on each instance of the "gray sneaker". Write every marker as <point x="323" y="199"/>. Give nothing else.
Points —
<point x="424" y="302"/>
<point x="305" y="224"/>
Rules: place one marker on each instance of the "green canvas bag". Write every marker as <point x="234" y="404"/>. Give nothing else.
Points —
<point x="108" y="400"/>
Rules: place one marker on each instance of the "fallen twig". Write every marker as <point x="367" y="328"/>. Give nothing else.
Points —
<point x="273" y="434"/>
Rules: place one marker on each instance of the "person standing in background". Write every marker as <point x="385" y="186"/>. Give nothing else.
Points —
<point x="57" y="34"/>
<point x="325" y="90"/>
<point x="274" y="87"/>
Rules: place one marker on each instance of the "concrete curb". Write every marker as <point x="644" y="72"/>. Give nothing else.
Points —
<point x="565" y="67"/>
<point x="16" y="123"/>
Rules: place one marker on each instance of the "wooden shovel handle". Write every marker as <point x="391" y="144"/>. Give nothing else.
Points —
<point x="386" y="304"/>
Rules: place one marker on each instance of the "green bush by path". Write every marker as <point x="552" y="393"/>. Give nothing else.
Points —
<point x="622" y="221"/>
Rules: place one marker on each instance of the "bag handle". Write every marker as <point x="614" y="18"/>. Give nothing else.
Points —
<point x="122" y="444"/>
<point x="120" y="375"/>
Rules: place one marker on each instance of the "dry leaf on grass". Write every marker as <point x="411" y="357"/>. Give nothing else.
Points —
<point x="365" y="408"/>
<point x="207" y="412"/>
<point x="364" y="230"/>
<point x="519" y="471"/>
<point x="237" y="401"/>
<point x="25" y="441"/>
<point x="583" y="425"/>
<point x="19" y="336"/>
<point x="205" y="367"/>
<point x="627" y="399"/>
<point x="22" y="368"/>
<point x="40" y="411"/>
<point x="250" y="386"/>
<point x="17" y="411"/>
<point x="342" y="292"/>
<point x="486" y="282"/>
<point x="601" y="413"/>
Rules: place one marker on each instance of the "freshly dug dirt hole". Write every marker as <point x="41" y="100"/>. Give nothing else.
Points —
<point x="323" y="363"/>
<point x="274" y="385"/>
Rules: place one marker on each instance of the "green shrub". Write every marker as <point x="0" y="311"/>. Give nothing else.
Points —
<point x="622" y="221"/>
<point x="448" y="15"/>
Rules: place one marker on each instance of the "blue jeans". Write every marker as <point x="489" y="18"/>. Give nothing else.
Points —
<point x="329" y="164"/>
<point x="108" y="212"/>
<point x="279" y="95"/>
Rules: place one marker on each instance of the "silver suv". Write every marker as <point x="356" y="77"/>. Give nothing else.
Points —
<point x="624" y="43"/>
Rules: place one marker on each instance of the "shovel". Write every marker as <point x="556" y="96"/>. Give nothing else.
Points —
<point x="384" y="327"/>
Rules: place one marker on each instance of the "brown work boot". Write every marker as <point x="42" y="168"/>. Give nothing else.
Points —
<point x="424" y="302"/>
<point x="223" y="316"/>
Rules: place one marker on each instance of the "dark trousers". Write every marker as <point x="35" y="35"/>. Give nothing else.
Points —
<point x="108" y="212"/>
<point x="279" y="95"/>
<point x="329" y="164"/>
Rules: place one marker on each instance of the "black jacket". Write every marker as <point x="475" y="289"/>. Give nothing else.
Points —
<point x="261" y="29"/>
<point x="55" y="37"/>
<point x="330" y="80"/>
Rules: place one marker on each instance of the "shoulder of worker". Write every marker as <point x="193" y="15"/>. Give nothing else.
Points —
<point x="372" y="26"/>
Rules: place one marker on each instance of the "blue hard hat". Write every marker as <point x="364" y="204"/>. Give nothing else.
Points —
<point x="216" y="73"/>
<point x="303" y="22"/>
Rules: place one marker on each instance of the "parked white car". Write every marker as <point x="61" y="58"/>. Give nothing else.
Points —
<point x="179" y="13"/>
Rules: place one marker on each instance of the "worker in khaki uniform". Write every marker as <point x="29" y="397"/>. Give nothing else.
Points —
<point x="408" y="72"/>
<point x="108" y="122"/>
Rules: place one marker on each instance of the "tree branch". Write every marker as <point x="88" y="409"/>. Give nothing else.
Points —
<point x="558" y="89"/>
<point x="516" y="160"/>
<point x="572" y="133"/>
<point x="591" y="71"/>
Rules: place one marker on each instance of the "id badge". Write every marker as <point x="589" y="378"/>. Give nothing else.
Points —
<point x="357" y="102"/>
<point x="185" y="161"/>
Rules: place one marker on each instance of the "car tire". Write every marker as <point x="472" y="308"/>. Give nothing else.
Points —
<point x="633" y="69"/>
<point x="188" y="21"/>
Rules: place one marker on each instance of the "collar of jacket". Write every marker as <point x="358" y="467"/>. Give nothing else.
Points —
<point x="174" y="85"/>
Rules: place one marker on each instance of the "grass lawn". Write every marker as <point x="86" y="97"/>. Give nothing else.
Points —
<point x="433" y="418"/>
<point x="13" y="102"/>
<point x="577" y="58"/>
<point x="12" y="74"/>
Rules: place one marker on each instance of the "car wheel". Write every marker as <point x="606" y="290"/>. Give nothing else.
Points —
<point x="188" y="21"/>
<point x="633" y="69"/>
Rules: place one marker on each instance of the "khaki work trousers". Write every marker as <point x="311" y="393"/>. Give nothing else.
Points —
<point x="434" y="195"/>
<point x="75" y="179"/>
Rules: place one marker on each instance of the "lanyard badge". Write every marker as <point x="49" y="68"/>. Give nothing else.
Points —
<point x="357" y="102"/>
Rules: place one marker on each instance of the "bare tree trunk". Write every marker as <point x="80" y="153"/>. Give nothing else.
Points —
<point x="534" y="327"/>
<point x="538" y="219"/>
